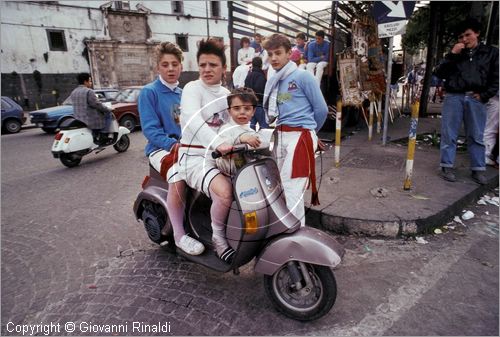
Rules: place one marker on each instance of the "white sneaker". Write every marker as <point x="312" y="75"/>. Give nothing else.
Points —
<point x="190" y="246"/>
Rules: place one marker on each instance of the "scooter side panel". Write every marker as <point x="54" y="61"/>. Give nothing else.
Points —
<point x="80" y="139"/>
<point x="281" y="220"/>
<point x="154" y="194"/>
<point x="307" y="244"/>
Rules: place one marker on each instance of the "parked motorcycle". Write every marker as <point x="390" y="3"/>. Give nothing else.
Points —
<point x="296" y="261"/>
<point x="75" y="140"/>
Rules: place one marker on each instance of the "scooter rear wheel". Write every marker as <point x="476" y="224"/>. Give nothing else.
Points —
<point x="70" y="160"/>
<point x="312" y="301"/>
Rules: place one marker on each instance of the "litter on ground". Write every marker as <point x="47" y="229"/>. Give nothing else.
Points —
<point x="421" y="240"/>
<point x="457" y="219"/>
<point x="467" y="215"/>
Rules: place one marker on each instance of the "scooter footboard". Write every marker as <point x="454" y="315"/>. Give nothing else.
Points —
<point x="307" y="245"/>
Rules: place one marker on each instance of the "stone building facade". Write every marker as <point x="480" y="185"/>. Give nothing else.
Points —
<point x="45" y="44"/>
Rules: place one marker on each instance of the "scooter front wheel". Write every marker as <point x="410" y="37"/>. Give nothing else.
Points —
<point x="122" y="144"/>
<point x="70" y="160"/>
<point x="302" y="291"/>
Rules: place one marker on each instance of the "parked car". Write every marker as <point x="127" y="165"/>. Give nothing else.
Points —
<point x="125" y="108"/>
<point x="106" y="94"/>
<point x="12" y="116"/>
<point x="50" y="119"/>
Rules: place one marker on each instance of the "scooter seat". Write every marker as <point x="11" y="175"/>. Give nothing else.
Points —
<point x="72" y="123"/>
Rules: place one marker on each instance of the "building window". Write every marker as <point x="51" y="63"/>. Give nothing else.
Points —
<point x="122" y="5"/>
<point x="215" y="8"/>
<point x="57" y="42"/>
<point x="182" y="41"/>
<point x="177" y="7"/>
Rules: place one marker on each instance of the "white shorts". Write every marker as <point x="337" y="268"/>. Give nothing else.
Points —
<point x="196" y="167"/>
<point x="155" y="158"/>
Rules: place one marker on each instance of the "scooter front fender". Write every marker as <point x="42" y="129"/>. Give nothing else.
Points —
<point x="307" y="244"/>
<point x="122" y="131"/>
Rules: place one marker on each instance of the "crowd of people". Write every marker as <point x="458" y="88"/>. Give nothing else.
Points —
<point x="311" y="55"/>
<point x="280" y="84"/>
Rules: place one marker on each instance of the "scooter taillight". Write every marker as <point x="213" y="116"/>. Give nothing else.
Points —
<point x="58" y="136"/>
<point x="145" y="181"/>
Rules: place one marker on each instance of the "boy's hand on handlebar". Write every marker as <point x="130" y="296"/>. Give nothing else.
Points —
<point x="224" y="148"/>
<point x="253" y="141"/>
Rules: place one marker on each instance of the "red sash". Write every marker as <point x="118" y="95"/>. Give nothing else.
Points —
<point x="169" y="160"/>
<point x="304" y="168"/>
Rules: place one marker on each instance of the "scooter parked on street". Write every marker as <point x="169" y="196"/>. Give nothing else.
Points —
<point x="75" y="140"/>
<point x="296" y="261"/>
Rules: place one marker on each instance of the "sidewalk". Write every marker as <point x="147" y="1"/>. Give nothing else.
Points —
<point x="365" y="195"/>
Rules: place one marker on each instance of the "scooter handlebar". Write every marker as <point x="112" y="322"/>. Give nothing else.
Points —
<point x="236" y="149"/>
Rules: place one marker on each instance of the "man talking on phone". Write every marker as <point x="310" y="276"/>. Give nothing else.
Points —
<point x="470" y="72"/>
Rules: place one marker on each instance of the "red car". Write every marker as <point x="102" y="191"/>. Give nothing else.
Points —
<point x="125" y="107"/>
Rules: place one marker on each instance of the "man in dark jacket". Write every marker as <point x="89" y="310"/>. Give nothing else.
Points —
<point x="256" y="80"/>
<point x="470" y="72"/>
<point x="87" y="107"/>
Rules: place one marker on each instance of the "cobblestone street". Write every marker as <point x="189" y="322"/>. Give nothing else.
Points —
<point x="73" y="255"/>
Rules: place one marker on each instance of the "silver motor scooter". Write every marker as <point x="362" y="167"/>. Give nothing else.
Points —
<point x="296" y="261"/>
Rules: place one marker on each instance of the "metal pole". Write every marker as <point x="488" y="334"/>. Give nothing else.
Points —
<point x="208" y="23"/>
<point x="412" y="138"/>
<point x="387" y="91"/>
<point x="378" y="110"/>
<point x="491" y="22"/>
<point x="370" y="124"/>
<point x="278" y="19"/>
<point x="231" y="35"/>
<point x="338" y="131"/>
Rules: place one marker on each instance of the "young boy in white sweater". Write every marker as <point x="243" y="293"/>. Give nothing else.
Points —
<point x="241" y="106"/>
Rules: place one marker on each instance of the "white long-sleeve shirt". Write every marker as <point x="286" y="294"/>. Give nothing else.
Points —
<point x="203" y="112"/>
<point x="231" y="133"/>
<point x="245" y="55"/>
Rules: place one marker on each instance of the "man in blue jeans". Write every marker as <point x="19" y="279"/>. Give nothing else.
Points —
<point x="470" y="72"/>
